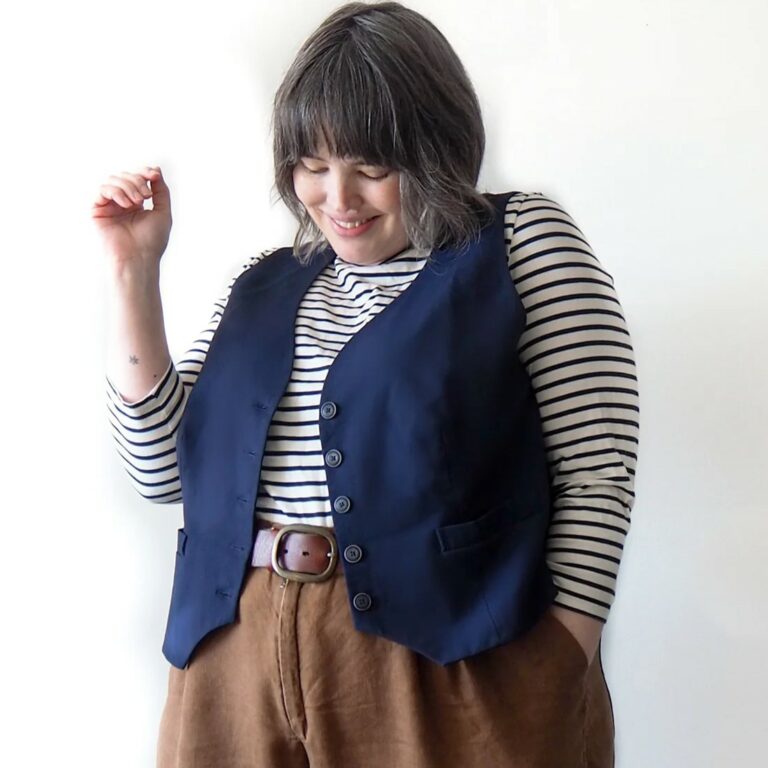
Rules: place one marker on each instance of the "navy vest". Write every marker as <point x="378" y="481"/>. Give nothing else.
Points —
<point x="434" y="456"/>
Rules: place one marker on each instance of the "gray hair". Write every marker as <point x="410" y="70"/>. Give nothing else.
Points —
<point x="380" y="82"/>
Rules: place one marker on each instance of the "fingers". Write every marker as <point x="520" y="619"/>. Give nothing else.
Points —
<point x="131" y="189"/>
<point x="109" y="193"/>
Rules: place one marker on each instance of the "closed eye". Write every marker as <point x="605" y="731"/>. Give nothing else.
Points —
<point x="313" y="170"/>
<point x="374" y="173"/>
<point x="375" y="176"/>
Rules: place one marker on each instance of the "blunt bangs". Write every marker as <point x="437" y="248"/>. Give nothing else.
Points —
<point x="344" y="104"/>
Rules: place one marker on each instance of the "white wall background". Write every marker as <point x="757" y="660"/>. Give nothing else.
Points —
<point x="646" y="120"/>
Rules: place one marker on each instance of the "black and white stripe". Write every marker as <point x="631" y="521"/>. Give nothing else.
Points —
<point x="575" y="346"/>
<point x="578" y="353"/>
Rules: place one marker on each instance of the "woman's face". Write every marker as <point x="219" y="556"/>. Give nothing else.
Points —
<point x="355" y="205"/>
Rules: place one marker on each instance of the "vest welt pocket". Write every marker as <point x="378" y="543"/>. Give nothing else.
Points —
<point x="480" y="530"/>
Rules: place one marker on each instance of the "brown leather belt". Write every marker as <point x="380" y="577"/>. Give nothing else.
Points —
<point x="296" y="552"/>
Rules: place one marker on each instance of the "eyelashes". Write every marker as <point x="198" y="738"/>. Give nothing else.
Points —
<point x="372" y="176"/>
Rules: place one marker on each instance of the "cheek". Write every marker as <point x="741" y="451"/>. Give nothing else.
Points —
<point x="305" y="189"/>
<point x="299" y="187"/>
<point x="391" y="197"/>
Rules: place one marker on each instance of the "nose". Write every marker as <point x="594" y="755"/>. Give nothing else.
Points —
<point x="344" y="194"/>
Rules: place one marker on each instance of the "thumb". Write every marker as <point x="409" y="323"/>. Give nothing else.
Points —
<point x="161" y="194"/>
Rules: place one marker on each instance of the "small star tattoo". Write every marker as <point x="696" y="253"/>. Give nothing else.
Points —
<point x="133" y="360"/>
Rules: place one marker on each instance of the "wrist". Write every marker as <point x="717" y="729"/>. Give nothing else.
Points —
<point x="136" y="274"/>
<point x="587" y="630"/>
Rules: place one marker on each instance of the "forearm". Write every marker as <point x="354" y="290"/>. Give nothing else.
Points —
<point x="586" y="629"/>
<point x="137" y="348"/>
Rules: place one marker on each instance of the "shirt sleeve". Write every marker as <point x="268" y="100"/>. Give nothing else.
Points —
<point x="145" y="431"/>
<point x="579" y="356"/>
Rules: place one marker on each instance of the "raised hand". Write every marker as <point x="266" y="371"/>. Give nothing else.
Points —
<point x="132" y="236"/>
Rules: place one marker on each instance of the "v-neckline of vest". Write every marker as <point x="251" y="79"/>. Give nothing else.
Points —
<point x="434" y="256"/>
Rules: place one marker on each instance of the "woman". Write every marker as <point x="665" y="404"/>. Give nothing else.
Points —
<point x="406" y="445"/>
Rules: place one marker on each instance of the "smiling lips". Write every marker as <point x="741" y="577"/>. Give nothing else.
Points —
<point x="352" y="228"/>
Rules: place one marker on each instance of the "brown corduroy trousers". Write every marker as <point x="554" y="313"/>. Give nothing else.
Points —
<point x="293" y="684"/>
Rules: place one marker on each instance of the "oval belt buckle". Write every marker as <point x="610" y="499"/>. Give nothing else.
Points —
<point x="319" y="530"/>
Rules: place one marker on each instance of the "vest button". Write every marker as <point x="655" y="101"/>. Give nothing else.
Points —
<point x="333" y="458"/>
<point x="328" y="410"/>
<point x="342" y="504"/>
<point x="353" y="554"/>
<point x="362" y="601"/>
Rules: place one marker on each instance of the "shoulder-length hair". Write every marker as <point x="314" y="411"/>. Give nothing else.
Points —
<point x="380" y="82"/>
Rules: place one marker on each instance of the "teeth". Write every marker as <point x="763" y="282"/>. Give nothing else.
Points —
<point x="351" y="224"/>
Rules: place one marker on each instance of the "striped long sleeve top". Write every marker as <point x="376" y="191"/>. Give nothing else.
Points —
<point x="575" y="347"/>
